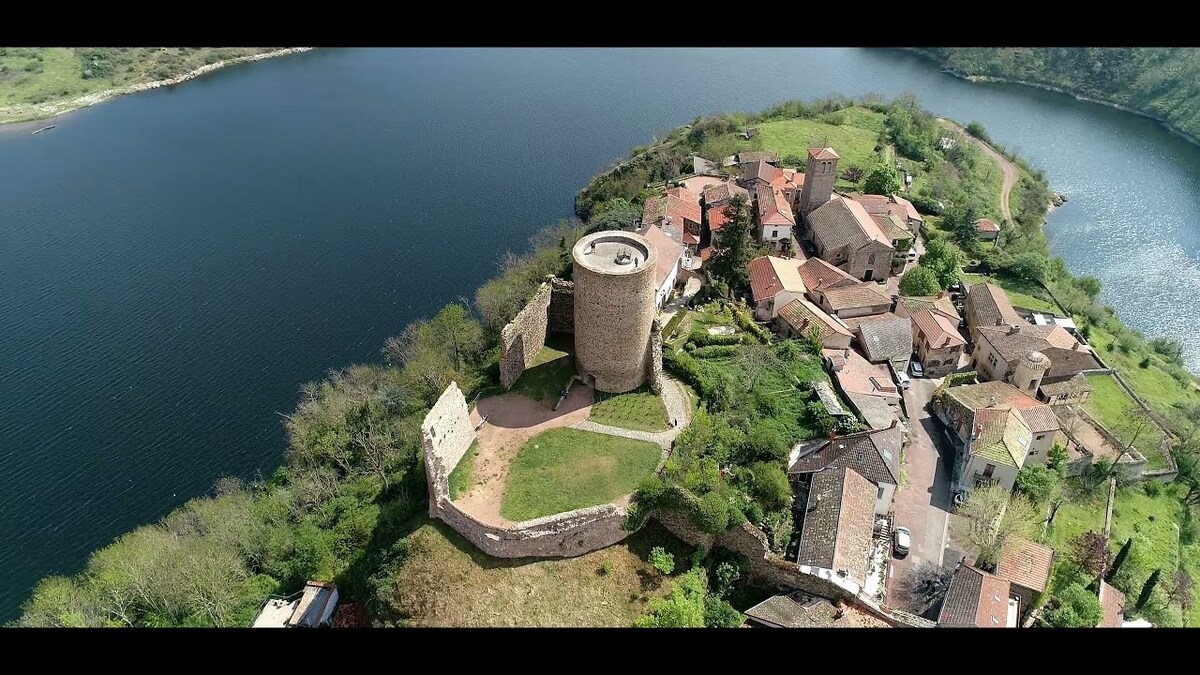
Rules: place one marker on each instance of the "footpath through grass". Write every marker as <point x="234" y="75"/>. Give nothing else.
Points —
<point x="565" y="469"/>
<point x="640" y="410"/>
<point x="1109" y="404"/>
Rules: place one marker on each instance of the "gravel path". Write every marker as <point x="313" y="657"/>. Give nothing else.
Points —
<point x="1010" y="170"/>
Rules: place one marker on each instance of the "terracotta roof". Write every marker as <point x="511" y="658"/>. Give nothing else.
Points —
<point x="843" y="222"/>
<point x="1014" y="342"/>
<point x="886" y="340"/>
<point x="892" y="226"/>
<point x="760" y="173"/>
<point x="859" y="376"/>
<point x="770" y="275"/>
<point x="856" y="296"/>
<point x="873" y="454"/>
<point x="723" y="192"/>
<point x="773" y="207"/>
<point x="801" y="315"/>
<point x="822" y="153"/>
<point x="1076" y="384"/>
<point x="1069" y="362"/>
<point x="1001" y="419"/>
<point x="672" y="209"/>
<point x="1004" y="396"/>
<point x="991" y="306"/>
<point x="938" y="303"/>
<point x="838" y="524"/>
<point x="975" y="599"/>
<point x="1027" y="564"/>
<point x="802" y="611"/>
<point x="936" y="329"/>
<point x="873" y="204"/>
<point x="790" y="178"/>
<point x="757" y="156"/>
<point x="910" y="211"/>
<point x="1112" y="604"/>
<point x="717" y="217"/>
<point x="819" y="275"/>
<point x="669" y="253"/>
<point x="986" y="225"/>
<point x="888" y="204"/>
<point x="837" y="357"/>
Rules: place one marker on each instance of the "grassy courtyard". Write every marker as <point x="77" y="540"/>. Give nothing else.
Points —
<point x="640" y="410"/>
<point x="1108" y="404"/>
<point x="566" y="469"/>
<point x="448" y="582"/>
<point x="462" y="476"/>
<point x="1021" y="293"/>
<point x="551" y="370"/>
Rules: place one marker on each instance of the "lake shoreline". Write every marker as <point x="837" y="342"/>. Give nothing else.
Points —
<point x="42" y="112"/>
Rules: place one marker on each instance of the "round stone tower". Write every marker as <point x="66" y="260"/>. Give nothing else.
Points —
<point x="1030" y="369"/>
<point x="614" y="309"/>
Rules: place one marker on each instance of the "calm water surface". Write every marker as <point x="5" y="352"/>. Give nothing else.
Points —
<point x="174" y="265"/>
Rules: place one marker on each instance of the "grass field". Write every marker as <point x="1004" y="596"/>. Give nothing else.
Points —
<point x="1108" y="403"/>
<point x="37" y="75"/>
<point x="1021" y="293"/>
<point x="1135" y="511"/>
<point x="549" y="374"/>
<point x="448" y="582"/>
<point x="640" y="410"/>
<point x="1153" y="384"/>
<point x="853" y="143"/>
<point x="566" y="469"/>
<point x="462" y="476"/>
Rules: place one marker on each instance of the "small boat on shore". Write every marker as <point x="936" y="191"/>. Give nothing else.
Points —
<point x="44" y="129"/>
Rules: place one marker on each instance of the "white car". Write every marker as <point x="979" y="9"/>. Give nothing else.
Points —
<point x="901" y="540"/>
<point x="916" y="368"/>
<point x="912" y="255"/>
<point x="902" y="380"/>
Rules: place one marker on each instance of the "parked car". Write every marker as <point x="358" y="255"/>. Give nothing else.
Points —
<point x="901" y="541"/>
<point x="955" y="287"/>
<point x="912" y="255"/>
<point x="810" y="249"/>
<point x="916" y="369"/>
<point x="902" y="381"/>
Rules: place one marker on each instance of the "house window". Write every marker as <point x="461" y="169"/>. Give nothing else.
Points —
<point x="880" y="494"/>
<point x="774" y="234"/>
<point x="871" y="259"/>
<point x="1031" y="384"/>
<point x="987" y="470"/>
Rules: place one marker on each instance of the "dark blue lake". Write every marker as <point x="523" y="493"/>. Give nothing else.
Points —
<point x="173" y="265"/>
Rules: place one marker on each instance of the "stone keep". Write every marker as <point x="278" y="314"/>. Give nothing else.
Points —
<point x="614" y="309"/>
<point x="819" y="177"/>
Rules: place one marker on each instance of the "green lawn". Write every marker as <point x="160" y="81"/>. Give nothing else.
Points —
<point x="1134" y="512"/>
<point x="1108" y="404"/>
<point x="1153" y="384"/>
<point x="566" y="469"/>
<point x="462" y="476"/>
<point x="640" y="410"/>
<point x="709" y="315"/>
<point x="36" y="75"/>
<point x="1020" y="293"/>
<point x="853" y="143"/>
<point x="551" y="370"/>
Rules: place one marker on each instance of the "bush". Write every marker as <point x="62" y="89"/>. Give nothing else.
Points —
<point x="919" y="281"/>
<point x="711" y="513"/>
<point x="926" y="205"/>
<point x="720" y="614"/>
<point x="1152" y="488"/>
<point x="771" y="486"/>
<point x="661" y="560"/>
<point x="1076" y="607"/>
<point x="714" y="351"/>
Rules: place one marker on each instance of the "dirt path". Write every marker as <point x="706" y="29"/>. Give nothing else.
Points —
<point x="1010" y="170"/>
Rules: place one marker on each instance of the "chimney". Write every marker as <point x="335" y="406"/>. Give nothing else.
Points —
<point x="1075" y="347"/>
<point x="940" y="295"/>
<point x="1012" y="330"/>
<point x="978" y="431"/>
<point x="895" y="422"/>
<point x="816" y="503"/>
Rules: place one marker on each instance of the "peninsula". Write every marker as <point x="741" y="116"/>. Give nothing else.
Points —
<point x="42" y="82"/>
<point x="735" y="373"/>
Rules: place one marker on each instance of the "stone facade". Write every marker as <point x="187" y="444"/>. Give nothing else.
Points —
<point x="614" y="309"/>
<point x="446" y="435"/>
<point x="654" y="373"/>
<point x="873" y="261"/>
<point x="563" y="535"/>
<point x="523" y="338"/>
<point x="561" y="314"/>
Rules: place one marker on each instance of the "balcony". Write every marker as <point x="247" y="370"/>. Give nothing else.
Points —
<point x="981" y="480"/>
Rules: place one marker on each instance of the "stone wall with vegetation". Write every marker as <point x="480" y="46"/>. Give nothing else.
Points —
<point x="654" y="367"/>
<point x="562" y="535"/>
<point x="523" y="337"/>
<point x="446" y="435"/>
<point x="560" y="318"/>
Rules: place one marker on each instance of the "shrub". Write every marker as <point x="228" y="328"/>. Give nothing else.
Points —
<point x="661" y="560"/>
<point x="1152" y="488"/>
<point x="1144" y="363"/>
<point x="714" y="351"/>
<point x="771" y="486"/>
<point x="711" y="513"/>
<point x="605" y="569"/>
<point x="720" y="614"/>
<point x="1076" y="607"/>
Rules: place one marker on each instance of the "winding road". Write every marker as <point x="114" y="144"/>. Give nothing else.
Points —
<point x="1010" y="170"/>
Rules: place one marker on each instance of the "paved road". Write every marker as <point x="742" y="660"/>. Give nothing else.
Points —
<point x="1010" y="169"/>
<point x="922" y="503"/>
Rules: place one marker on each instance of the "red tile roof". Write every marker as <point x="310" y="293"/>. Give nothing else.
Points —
<point x="669" y="252"/>
<point x="717" y="217"/>
<point x="910" y="211"/>
<point x="857" y="296"/>
<point x="723" y="192"/>
<point x="819" y="275"/>
<point x="822" y="153"/>
<point x="1112" y="603"/>
<point x="939" y="331"/>
<point x="802" y="315"/>
<point x="773" y="207"/>
<point x="986" y="225"/>
<point x="1026" y="564"/>
<point x="770" y="275"/>
<point x="672" y="209"/>
<point x="975" y="599"/>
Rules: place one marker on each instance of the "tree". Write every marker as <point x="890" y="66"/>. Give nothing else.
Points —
<point x="882" y="180"/>
<point x="1030" y="266"/>
<point x="727" y="573"/>
<point x="1188" y="474"/>
<point x="683" y="608"/>
<point x="771" y="486"/>
<point x="1135" y="421"/>
<point x="614" y="214"/>
<point x="943" y="259"/>
<point x="1056" y="458"/>
<point x="926" y="584"/>
<point x="853" y="173"/>
<point x="920" y="280"/>
<point x="1089" y="552"/>
<point x="1130" y="576"/>
<point x="1088" y="284"/>
<point x="960" y="220"/>
<point x="734" y="247"/>
<point x="990" y="519"/>
<point x="756" y="360"/>
<point x="1076" y="607"/>
<point x="661" y="560"/>
<point x="1038" y="482"/>
<point x="1119" y="560"/>
<point x="1182" y="592"/>
<point x="720" y="614"/>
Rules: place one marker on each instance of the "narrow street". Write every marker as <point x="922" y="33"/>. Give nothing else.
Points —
<point x="923" y="502"/>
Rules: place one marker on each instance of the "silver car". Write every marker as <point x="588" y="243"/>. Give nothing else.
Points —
<point x="901" y="541"/>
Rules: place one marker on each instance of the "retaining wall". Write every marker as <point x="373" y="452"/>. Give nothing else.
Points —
<point x="523" y="337"/>
<point x="560" y="317"/>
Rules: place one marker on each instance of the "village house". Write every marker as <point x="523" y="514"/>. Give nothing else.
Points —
<point x="716" y="199"/>
<point x="670" y="259"/>
<point x="1026" y="565"/>
<point x="844" y="235"/>
<point x="677" y="212"/>
<point x="853" y="300"/>
<point x="884" y="338"/>
<point x="988" y="305"/>
<point x="874" y="455"/>
<point x="986" y="230"/>
<point x="774" y="221"/>
<point x="1045" y="362"/>
<point x="996" y="429"/>
<point x="774" y="282"/>
<point x="976" y="599"/>
<point x="867" y="386"/>
<point x="892" y="205"/>
<point x="836" y="525"/>
<point x="936" y="339"/>
<point x="800" y="610"/>
<point x="800" y="319"/>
